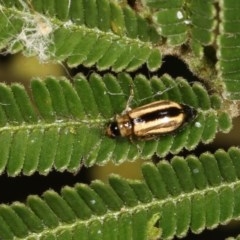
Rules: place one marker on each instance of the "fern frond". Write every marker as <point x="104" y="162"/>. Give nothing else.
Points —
<point x="90" y="32"/>
<point x="228" y="51"/>
<point x="173" y="198"/>
<point x="65" y="126"/>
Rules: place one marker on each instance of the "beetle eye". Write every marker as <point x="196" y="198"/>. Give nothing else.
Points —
<point x="114" y="129"/>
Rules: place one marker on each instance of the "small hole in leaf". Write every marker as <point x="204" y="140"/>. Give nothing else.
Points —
<point x="131" y="3"/>
<point x="210" y="54"/>
<point x="135" y="5"/>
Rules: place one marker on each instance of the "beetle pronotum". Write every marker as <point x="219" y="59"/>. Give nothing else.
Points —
<point x="151" y="120"/>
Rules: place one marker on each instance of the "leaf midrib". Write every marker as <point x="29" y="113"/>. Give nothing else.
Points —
<point x="97" y="122"/>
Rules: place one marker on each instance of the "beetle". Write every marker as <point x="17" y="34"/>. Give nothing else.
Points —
<point x="151" y="120"/>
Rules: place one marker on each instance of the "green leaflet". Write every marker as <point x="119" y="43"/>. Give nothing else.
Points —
<point x="67" y="127"/>
<point x="176" y="19"/>
<point x="172" y="25"/>
<point x="203" y="21"/>
<point x="228" y="65"/>
<point x="130" y="208"/>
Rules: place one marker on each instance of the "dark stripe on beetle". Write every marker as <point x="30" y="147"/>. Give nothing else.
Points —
<point x="154" y="104"/>
<point x="152" y="116"/>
